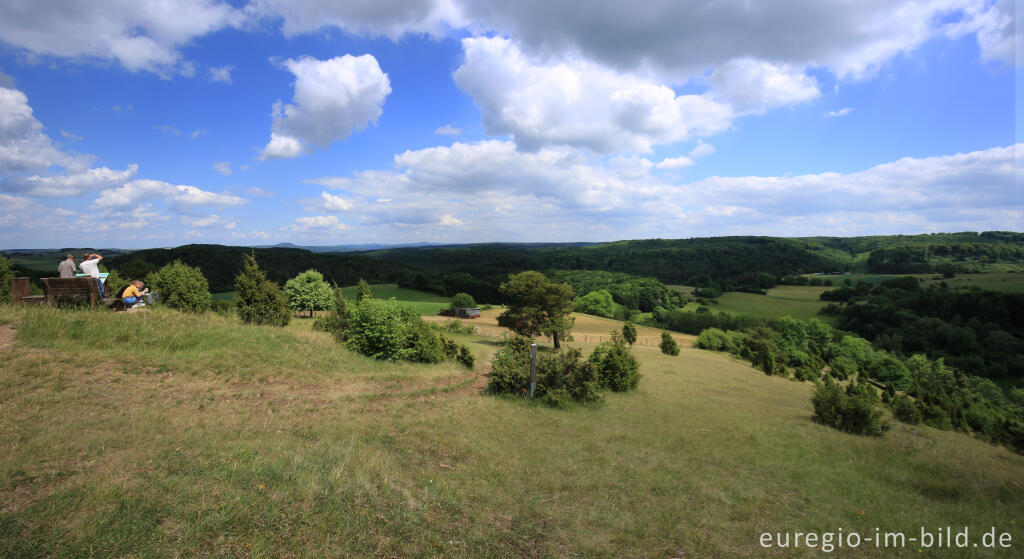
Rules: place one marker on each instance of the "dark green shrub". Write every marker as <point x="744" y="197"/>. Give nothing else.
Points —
<point x="466" y="357"/>
<point x="615" y="366"/>
<point x="767" y="363"/>
<point x="565" y="377"/>
<point x="181" y="287"/>
<point x="424" y="345"/>
<point x="904" y="409"/>
<point x="629" y="333"/>
<point x="510" y="367"/>
<point x="259" y="300"/>
<point x="668" y="344"/>
<point x="850" y="413"/>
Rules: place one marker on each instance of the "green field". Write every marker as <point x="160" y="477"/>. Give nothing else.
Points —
<point x="797" y="301"/>
<point x="424" y="303"/>
<point x="158" y="434"/>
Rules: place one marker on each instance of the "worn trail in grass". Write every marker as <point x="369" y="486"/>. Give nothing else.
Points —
<point x="164" y="435"/>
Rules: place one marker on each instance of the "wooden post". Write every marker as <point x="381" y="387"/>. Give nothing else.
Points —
<point x="533" y="368"/>
<point x="19" y="289"/>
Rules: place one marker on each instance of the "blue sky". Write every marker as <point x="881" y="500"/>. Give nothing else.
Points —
<point x="131" y="125"/>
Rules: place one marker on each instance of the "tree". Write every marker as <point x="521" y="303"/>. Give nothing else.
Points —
<point x="668" y="344"/>
<point x="309" y="292"/>
<point x="629" y="333"/>
<point x="537" y="306"/>
<point x="462" y="301"/>
<point x="363" y="291"/>
<point x="597" y="303"/>
<point x="181" y="286"/>
<point x="260" y="301"/>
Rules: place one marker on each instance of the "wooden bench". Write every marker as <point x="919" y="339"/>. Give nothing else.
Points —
<point x="55" y="289"/>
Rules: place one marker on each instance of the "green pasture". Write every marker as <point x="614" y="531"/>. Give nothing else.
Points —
<point x="797" y="301"/>
<point x="158" y="434"/>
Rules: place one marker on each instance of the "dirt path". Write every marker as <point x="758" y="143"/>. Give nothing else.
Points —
<point x="7" y="334"/>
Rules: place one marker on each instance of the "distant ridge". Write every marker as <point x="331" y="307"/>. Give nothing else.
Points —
<point x="347" y="248"/>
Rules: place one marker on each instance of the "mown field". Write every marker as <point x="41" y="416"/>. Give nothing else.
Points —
<point x="157" y="434"/>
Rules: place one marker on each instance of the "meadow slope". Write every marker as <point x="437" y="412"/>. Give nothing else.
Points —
<point x="156" y="434"/>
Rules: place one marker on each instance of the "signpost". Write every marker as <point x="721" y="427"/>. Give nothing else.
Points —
<point x="533" y="368"/>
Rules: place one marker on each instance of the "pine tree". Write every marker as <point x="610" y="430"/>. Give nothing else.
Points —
<point x="260" y="301"/>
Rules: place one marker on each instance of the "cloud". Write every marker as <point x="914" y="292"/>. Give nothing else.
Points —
<point x="678" y="40"/>
<point x="496" y="191"/>
<point x="175" y="132"/>
<point x="212" y="220"/>
<point x="333" y="203"/>
<point x="702" y="150"/>
<point x="23" y="145"/>
<point x="137" y="35"/>
<point x="222" y="74"/>
<point x="391" y="18"/>
<point x="448" y="130"/>
<point x="70" y="137"/>
<point x="332" y="99"/>
<point x="448" y="220"/>
<point x="59" y="186"/>
<point x="182" y="198"/>
<point x="753" y="86"/>
<point x="327" y="202"/>
<point x="993" y="25"/>
<point x="579" y="103"/>
<point x="841" y="112"/>
<point x="282" y="147"/>
<point x="674" y="163"/>
<point x="222" y="167"/>
<point x="320" y="224"/>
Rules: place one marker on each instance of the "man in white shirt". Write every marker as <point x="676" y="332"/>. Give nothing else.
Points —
<point x="91" y="267"/>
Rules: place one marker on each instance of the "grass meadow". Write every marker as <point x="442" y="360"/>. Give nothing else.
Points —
<point x="158" y="434"/>
<point x="797" y="301"/>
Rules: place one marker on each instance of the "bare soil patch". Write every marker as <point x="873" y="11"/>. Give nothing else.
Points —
<point x="7" y="334"/>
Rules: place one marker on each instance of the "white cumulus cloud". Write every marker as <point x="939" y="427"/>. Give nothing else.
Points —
<point x="138" y="35"/>
<point x="579" y="103"/>
<point x="76" y="184"/>
<point x="332" y="99"/>
<point x="182" y="198"/>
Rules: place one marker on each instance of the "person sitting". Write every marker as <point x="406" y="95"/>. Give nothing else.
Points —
<point x="133" y="293"/>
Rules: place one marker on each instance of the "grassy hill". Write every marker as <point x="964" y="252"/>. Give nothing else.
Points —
<point x="161" y="434"/>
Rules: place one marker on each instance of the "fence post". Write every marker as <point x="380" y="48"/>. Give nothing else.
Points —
<point x="533" y="368"/>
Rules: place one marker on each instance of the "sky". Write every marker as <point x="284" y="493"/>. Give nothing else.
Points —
<point x="129" y="124"/>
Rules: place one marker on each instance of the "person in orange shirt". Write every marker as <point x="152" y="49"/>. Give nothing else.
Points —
<point x="133" y="293"/>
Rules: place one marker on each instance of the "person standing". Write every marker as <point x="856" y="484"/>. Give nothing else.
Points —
<point x="67" y="267"/>
<point x="91" y="267"/>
